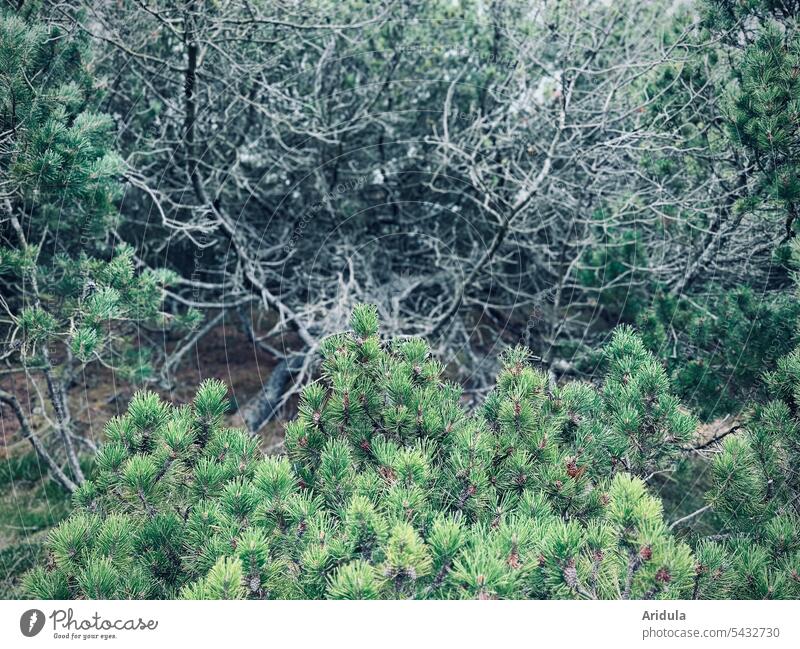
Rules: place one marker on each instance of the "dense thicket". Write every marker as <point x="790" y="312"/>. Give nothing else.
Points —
<point x="514" y="171"/>
<point x="612" y="185"/>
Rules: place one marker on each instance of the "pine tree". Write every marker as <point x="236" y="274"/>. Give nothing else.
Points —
<point x="390" y="488"/>
<point x="757" y="490"/>
<point x="716" y="355"/>
<point x="738" y="80"/>
<point x="73" y="293"/>
<point x="763" y="114"/>
<point x="756" y="487"/>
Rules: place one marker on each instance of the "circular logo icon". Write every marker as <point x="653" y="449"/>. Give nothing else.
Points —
<point x="31" y="622"/>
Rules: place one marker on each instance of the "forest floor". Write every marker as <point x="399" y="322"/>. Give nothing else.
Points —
<point x="224" y="353"/>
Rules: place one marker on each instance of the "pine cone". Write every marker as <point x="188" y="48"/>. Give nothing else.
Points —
<point x="570" y="574"/>
<point x="663" y="576"/>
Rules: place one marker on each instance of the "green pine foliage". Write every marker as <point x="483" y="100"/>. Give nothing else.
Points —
<point x="716" y="351"/>
<point x="617" y="270"/>
<point x="756" y="485"/>
<point x="96" y="305"/>
<point x="763" y="40"/>
<point x="73" y="293"/>
<point x="55" y="155"/>
<point x="67" y="282"/>
<point x="740" y="77"/>
<point x="757" y="489"/>
<point x="389" y="489"/>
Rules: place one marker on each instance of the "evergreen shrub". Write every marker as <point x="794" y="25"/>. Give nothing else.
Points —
<point x="390" y="488"/>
